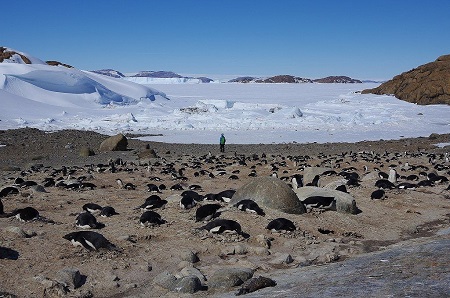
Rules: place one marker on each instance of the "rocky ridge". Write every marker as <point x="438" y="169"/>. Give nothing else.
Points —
<point x="426" y="84"/>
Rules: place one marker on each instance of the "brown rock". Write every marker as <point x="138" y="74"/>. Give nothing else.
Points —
<point x="426" y="84"/>
<point x="115" y="143"/>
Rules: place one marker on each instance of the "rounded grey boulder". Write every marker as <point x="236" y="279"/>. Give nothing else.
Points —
<point x="270" y="192"/>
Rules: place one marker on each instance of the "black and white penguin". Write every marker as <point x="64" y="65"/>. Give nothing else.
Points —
<point x="225" y="195"/>
<point x="249" y="206"/>
<point x="297" y="181"/>
<point x="187" y="202"/>
<point x="88" y="185"/>
<point x="26" y="214"/>
<point x="27" y="183"/>
<point x="90" y="240"/>
<point x="1" y="207"/>
<point x="207" y="212"/>
<point x="176" y="187"/>
<point x="233" y="177"/>
<point x="384" y="184"/>
<point x="320" y="202"/>
<point x="219" y="226"/>
<point x="281" y="224"/>
<point x="150" y="219"/>
<point x="195" y="187"/>
<point x="153" y="188"/>
<point x="86" y="220"/>
<point x="9" y="190"/>
<point x="92" y="208"/>
<point x="406" y="185"/>
<point x="108" y="211"/>
<point x="378" y="194"/>
<point x="425" y="183"/>
<point x="193" y="194"/>
<point x="314" y="182"/>
<point x="342" y="188"/>
<point x="153" y="202"/>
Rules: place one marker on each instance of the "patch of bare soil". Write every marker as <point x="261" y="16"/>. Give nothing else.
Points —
<point x="143" y="253"/>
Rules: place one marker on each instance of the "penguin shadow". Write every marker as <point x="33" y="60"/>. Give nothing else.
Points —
<point x="8" y="253"/>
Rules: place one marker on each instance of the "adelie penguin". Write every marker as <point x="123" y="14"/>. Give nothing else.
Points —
<point x="320" y="202"/>
<point x="249" y="206"/>
<point x="378" y="194"/>
<point x="207" y="212"/>
<point x="150" y="219"/>
<point x="86" y="220"/>
<point x="90" y="240"/>
<point x="108" y="211"/>
<point x="281" y="224"/>
<point x="92" y="208"/>
<point x="153" y="202"/>
<point x="219" y="226"/>
<point x="26" y="214"/>
<point x="8" y="190"/>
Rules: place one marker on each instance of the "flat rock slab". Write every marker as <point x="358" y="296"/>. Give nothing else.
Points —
<point x="416" y="268"/>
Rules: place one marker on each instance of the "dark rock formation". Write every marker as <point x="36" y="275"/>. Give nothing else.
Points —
<point x="284" y="79"/>
<point x="57" y="63"/>
<point x="426" y="84"/>
<point x="109" y="72"/>
<point x="337" y="79"/>
<point x="242" y="80"/>
<point x="5" y="54"/>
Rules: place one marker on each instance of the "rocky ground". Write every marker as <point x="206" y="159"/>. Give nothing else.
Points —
<point x="34" y="256"/>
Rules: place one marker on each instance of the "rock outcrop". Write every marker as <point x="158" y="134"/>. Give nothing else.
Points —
<point x="272" y="193"/>
<point x="115" y="143"/>
<point x="426" y="84"/>
<point x="337" y="79"/>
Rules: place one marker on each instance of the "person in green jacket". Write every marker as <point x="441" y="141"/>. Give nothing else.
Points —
<point x="222" y="143"/>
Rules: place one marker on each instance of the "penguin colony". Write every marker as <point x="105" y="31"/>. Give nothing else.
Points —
<point x="166" y="185"/>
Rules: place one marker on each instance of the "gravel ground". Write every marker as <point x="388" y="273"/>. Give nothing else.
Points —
<point x="147" y="252"/>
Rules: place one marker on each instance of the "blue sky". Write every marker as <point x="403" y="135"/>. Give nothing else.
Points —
<point x="358" y="38"/>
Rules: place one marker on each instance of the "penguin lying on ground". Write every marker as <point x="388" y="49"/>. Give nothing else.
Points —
<point x="90" y="240"/>
<point x="281" y="224"/>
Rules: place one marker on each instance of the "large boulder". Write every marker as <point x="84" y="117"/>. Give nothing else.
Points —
<point x="426" y="84"/>
<point x="115" y="143"/>
<point x="270" y="192"/>
<point x="345" y="203"/>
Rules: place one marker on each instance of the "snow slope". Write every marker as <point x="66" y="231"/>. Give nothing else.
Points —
<point x="55" y="97"/>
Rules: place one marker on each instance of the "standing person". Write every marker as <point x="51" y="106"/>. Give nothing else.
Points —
<point x="222" y="143"/>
